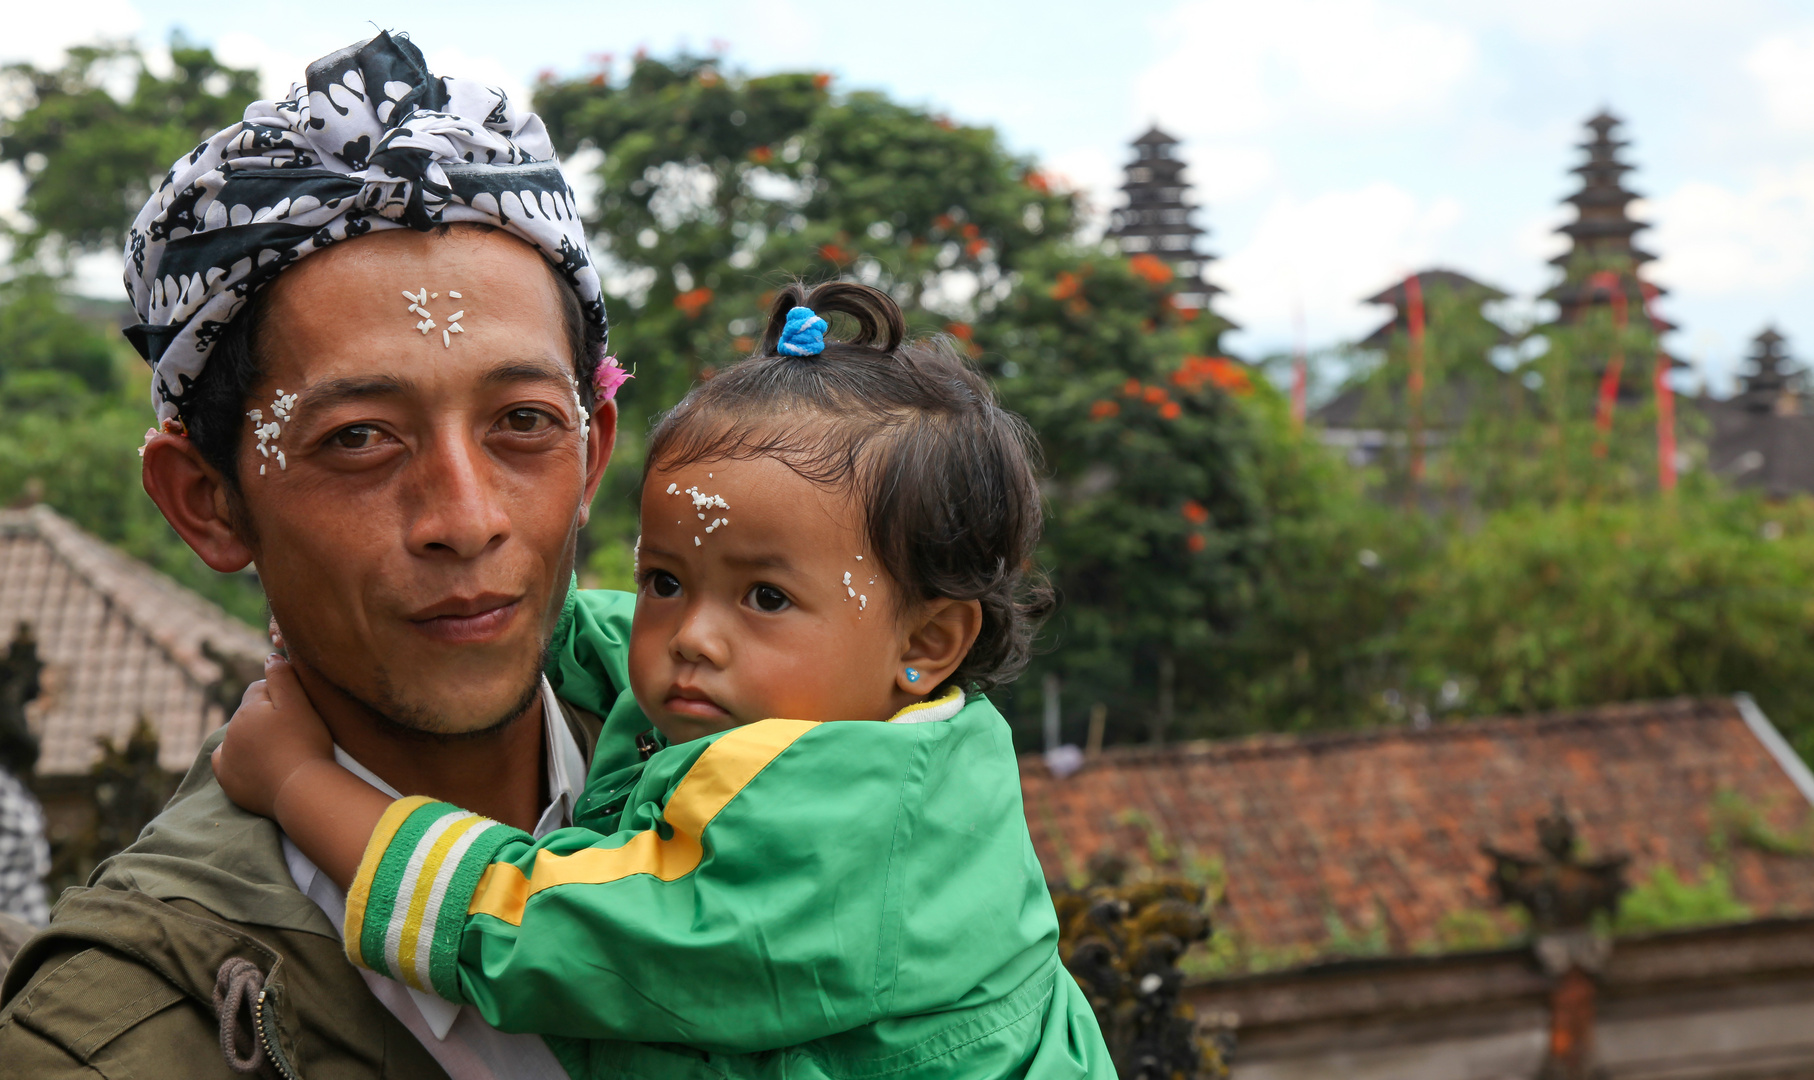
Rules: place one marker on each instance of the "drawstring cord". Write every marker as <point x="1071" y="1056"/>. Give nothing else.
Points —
<point x="236" y="990"/>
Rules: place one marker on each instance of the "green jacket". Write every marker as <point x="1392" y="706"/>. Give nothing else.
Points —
<point x="785" y="899"/>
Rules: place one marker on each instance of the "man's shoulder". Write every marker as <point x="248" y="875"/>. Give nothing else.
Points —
<point x="122" y="981"/>
<point x="122" y="984"/>
<point x="203" y="849"/>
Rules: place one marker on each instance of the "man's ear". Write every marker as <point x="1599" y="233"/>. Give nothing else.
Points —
<point x="944" y="631"/>
<point x="193" y="497"/>
<point x="598" y="454"/>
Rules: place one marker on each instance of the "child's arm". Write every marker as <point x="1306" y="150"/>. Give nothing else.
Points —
<point x="743" y="907"/>
<point x="773" y="885"/>
<point x="278" y="761"/>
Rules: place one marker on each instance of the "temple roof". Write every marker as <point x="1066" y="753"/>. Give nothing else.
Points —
<point x="1155" y="137"/>
<point x="1383" y="827"/>
<point x="119" y="641"/>
<point x="1434" y="280"/>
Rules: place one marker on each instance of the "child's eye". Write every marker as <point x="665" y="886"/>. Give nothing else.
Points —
<point x="663" y="584"/>
<point x="767" y="598"/>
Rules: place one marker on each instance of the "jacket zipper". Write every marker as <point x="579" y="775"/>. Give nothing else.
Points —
<point x="272" y="1053"/>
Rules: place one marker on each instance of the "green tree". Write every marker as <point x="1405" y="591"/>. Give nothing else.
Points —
<point x="73" y="397"/>
<point x="74" y="405"/>
<point x="1587" y="602"/>
<point x="90" y="159"/>
<point x="1155" y="509"/>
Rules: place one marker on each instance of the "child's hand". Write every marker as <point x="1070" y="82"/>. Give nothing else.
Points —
<point x="274" y="732"/>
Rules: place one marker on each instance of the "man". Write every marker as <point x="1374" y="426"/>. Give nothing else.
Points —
<point x="373" y="328"/>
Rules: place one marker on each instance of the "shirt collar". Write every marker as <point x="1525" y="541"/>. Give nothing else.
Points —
<point x="566" y="767"/>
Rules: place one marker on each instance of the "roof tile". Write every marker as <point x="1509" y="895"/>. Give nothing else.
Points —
<point x="118" y="640"/>
<point x="1391" y="821"/>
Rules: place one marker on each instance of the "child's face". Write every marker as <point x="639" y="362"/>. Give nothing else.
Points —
<point x="779" y="611"/>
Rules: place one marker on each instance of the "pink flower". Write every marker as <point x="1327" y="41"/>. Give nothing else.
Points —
<point x="608" y="378"/>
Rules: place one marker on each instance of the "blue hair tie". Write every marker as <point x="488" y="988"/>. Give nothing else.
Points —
<point x="804" y="334"/>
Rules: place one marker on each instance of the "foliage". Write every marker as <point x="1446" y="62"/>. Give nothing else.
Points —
<point x="1585" y="602"/>
<point x="1475" y="930"/>
<point x="1737" y="820"/>
<point x="1667" y="900"/>
<point x="1122" y="942"/>
<point x="91" y="159"/>
<point x="1154" y="507"/>
<point x="74" y="413"/>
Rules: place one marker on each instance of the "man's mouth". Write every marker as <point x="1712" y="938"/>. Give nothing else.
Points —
<point x="463" y="620"/>
<point x="686" y="701"/>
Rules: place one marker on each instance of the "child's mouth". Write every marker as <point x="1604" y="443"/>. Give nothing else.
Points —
<point x="693" y="703"/>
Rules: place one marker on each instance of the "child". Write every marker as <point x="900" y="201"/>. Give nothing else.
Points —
<point x="830" y="532"/>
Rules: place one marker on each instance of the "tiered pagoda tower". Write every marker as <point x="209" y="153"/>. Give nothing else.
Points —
<point x="1157" y="218"/>
<point x="1772" y="385"/>
<point x="1601" y="233"/>
<point x="1763" y="436"/>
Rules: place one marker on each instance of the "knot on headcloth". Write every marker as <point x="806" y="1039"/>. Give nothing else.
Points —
<point x="371" y="140"/>
<point x="803" y="334"/>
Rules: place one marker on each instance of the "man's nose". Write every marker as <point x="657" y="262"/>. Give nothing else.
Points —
<point x="460" y="509"/>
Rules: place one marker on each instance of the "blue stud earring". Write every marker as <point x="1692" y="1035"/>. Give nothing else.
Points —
<point x="913" y="675"/>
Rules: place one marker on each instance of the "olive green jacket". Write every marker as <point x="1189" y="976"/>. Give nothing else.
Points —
<point x="122" y="982"/>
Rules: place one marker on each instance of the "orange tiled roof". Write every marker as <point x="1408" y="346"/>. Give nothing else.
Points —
<point x="1389" y="822"/>
<point x="118" y="640"/>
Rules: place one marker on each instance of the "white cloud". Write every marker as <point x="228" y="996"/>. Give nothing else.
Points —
<point x="1235" y="66"/>
<point x="1221" y="172"/>
<point x="1325" y="253"/>
<point x="277" y="68"/>
<point x="38" y="33"/>
<point x="1715" y="239"/>
<point x="1565" y="23"/>
<point x="1783" y="67"/>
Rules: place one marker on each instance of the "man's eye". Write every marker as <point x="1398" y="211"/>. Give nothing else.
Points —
<point x="663" y="584"/>
<point x="769" y="599"/>
<point x="355" y="436"/>
<point x="527" y="421"/>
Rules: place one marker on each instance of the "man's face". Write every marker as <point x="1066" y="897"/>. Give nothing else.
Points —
<point x="416" y="539"/>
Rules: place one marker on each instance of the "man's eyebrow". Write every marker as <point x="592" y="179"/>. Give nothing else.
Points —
<point x="366" y="387"/>
<point x="353" y="388"/>
<point x="515" y="371"/>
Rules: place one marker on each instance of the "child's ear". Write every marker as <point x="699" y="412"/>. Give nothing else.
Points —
<point x="938" y="643"/>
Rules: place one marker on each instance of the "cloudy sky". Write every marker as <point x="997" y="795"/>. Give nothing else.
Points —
<point x="1335" y="144"/>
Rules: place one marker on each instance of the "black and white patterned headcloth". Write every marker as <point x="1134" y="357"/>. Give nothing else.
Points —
<point x="372" y="141"/>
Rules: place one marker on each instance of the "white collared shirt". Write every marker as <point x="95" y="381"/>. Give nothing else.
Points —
<point x="458" y="1037"/>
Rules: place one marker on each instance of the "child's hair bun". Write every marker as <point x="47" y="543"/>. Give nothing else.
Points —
<point x="880" y="325"/>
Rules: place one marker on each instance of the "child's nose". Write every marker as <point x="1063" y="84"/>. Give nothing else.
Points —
<point x="699" y="639"/>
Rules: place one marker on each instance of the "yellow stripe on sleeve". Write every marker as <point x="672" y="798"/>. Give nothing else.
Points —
<point x="356" y="897"/>
<point x="723" y="770"/>
<point x="418" y="901"/>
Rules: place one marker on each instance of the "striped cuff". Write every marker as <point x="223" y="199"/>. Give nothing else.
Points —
<point x="407" y="907"/>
